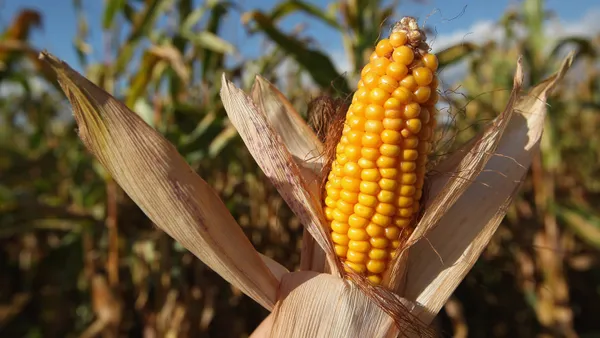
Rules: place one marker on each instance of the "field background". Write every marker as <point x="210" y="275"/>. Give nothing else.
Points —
<point x="73" y="246"/>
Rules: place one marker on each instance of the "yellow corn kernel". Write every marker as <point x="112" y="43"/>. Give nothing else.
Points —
<point x="341" y="250"/>
<point x="345" y="207"/>
<point x="367" y="200"/>
<point x="370" y="80"/>
<point x="414" y="125"/>
<point x="422" y="94"/>
<point x="388" y="172"/>
<point x="358" y="234"/>
<point x="370" y="154"/>
<point x="375" y="279"/>
<point x="396" y="70"/>
<point x="374" y="187"/>
<point x="386" y="162"/>
<point x="430" y="61"/>
<point x="352" y="169"/>
<point x="386" y="209"/>
<point x="409" y="83"/>
<point x="376" y="266"/>
<point x="347" y="196"/>
<point x="355" y="256"/>
<point x="384" y="48"/>
<point x="379" y="96"/>
<point x="388" y="184"/>
<point x="357" y="222"/>
<point x="363" y="211"/>
<point x="393" y="123"/>
<point x="340" y="239"/>
<point x="379" y="242"/>
<point x="381" y="220"/>
<point x="423" y="76"/>
<point x="385" y="196"/>
<point x="389" y="136"/>
<point x="403" y="95"/>
<point x="339" y="226"/>
<point x="388" y="83"/>
<point x="403" y="55"/>
<point x="371" y="175"/>
<point x="379" y="66"/>
<point x="375" y="230"/>
<point x="357" y="267"/>
<point x="379" y="254"/>
<point x="359" y="246"/>
<point x="398" y="39"/>
<point x="374" y="126"/>
<point x="402" y="222"/>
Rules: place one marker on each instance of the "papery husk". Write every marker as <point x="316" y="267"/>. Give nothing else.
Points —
<point x="457" y="172"/>
<point x="304" y="146"/>
<point x="267" y="147"/>
<point x="444" y="252"/>
<point x="296" y="135"/>
<point x="322" y="305"/>
<point x="162" y="184"/>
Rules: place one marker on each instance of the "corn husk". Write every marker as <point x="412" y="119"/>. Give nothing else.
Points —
<point x="440" y="260"/>
<point x="269" y="151"/>
<point x="305" y="148"/>
<point x="162" y="184"/>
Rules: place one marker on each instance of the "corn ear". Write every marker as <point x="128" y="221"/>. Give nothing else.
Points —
<point x="374" y="188"/>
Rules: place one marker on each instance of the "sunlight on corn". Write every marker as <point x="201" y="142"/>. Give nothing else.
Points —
<point x="373" y="190"/>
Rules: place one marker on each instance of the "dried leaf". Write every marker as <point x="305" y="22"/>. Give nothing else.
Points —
<point x="454" y="180"/>
<point x="295" y="133"/>
<point x="163" y="185"/>
<point x="277" y="269"/>
<point x="321" y="305"/>
<point x="173" y="55"/>
<point x="268" y="150"/>
<point x="304" y="146"/>
<point x="439" y="262"/>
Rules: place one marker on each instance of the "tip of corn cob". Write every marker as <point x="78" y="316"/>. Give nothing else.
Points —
<point x="373" y="190"/>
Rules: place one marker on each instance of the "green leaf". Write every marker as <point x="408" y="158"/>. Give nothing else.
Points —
<point x="317" y="64"/>
<point x="142" y="25"/>
<point x="582" y="221"/>
<point x="291" y="6"/>
<point x="585" y="47"/>
<point x="210" y="41"/>
<point x="455" y="53"/>
<point x="111" y="8"/>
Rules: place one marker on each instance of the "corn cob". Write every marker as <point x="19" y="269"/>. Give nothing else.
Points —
<point x="375" y="184"/>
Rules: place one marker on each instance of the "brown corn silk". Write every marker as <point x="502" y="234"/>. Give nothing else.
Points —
<point x="374" y="187"/>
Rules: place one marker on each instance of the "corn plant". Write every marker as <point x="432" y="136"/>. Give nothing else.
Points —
<point x="307" y="303"/>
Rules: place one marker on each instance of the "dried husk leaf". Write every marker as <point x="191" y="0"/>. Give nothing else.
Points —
<point x="439" y="262"/>
<point x="306" y="149"/>
<point x="277" y="269"/>
<point x="467" y="163"/>
<point x="322" y="305"/>
<point x="268" y="150"/>
<point x="162" y="184"/>
<point x="295" y="133"/>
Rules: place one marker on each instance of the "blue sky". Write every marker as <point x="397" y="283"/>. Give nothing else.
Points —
<point x="60" y="21"/>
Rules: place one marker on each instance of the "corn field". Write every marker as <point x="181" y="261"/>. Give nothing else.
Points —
<point x="80" y="256"/>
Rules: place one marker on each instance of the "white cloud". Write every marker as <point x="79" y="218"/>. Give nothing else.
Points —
<point x="482" y="31"/>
